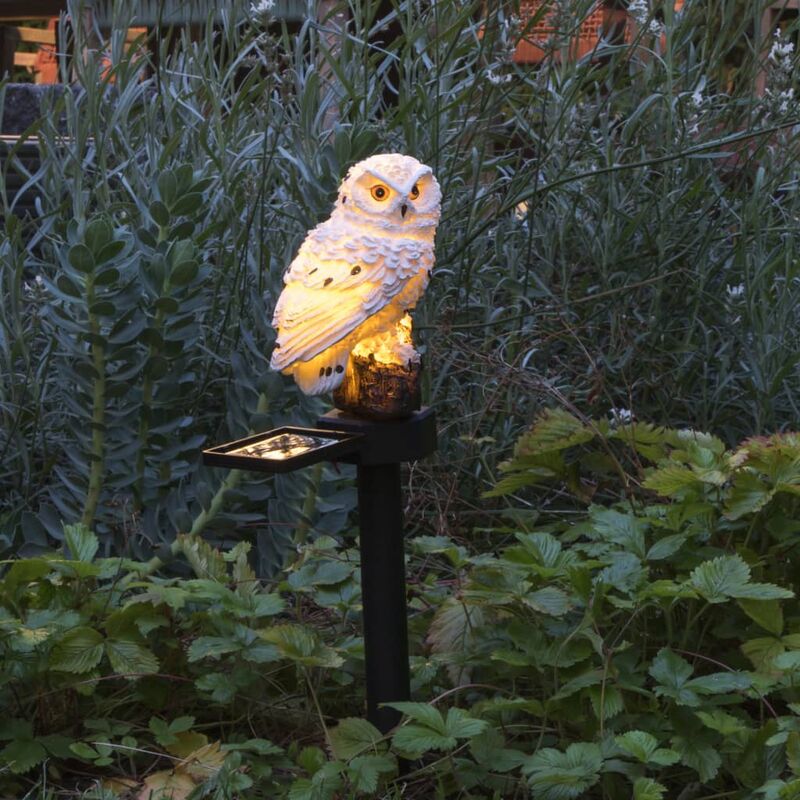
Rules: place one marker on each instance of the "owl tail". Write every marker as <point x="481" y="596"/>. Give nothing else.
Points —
<point x="323" y="373"/>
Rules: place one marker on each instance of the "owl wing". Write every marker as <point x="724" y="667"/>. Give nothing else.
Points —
<point x="324" y="300"/>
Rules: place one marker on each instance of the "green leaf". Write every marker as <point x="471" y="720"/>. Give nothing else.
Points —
<point x="188" y="204"/>
<point x="728" y="576"/>
<point x="549" y="600"/>
<point x="414" y="740"/>
<point x="461" y="725"/>
<point x="793" y="752"/>
<point x="717" y="579"/>
<point x="747" y="495"/>
<point x="302" y="645"/>
<point x="762" y="651"/>
<point x="211" y="647"/>
<point x="220" y="686"/>
<point x="98" y="234"/>
<point x="489" y="749"/>
<point x="648" y="789"/>
<point x="22" y="755"/>
<point x="701" y="757"/>
<point x="424" y="713"/>
<point x="184" y="273"/>
<point x="80" y="256"/>
<point x="78" y="651"/>
<point x="720" y="683"/>
<point x="354" y="736"/>
<point x="555" y="429"/>
<point x="109" y="252"/>
<point x="167" y="186"/>
<point x="767" y="613"/>
<point x="721" y="721"/>
<point x="81" y="541"/>
<point x="129" y="657"/>
<point x="639" y="744"/>
<point x="644" y="747"/>
<point x="159" y="213"/>
<point x="671" y="480"/>
<point x="764" y="591"/>
<point x="554" y="775"/>
<point x="365" y="771"/>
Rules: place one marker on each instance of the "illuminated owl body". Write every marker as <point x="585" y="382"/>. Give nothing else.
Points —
<point x="357" y="273"/>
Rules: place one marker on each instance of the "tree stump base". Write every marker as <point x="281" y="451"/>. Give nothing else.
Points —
<point x="375" y="390"/>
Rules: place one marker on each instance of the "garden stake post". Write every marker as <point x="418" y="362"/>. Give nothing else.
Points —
<point x="377" y="448"/>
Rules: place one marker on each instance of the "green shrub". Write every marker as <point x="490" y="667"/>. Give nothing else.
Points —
<point x="632" y="632"/>
<point x="617" y="231"/>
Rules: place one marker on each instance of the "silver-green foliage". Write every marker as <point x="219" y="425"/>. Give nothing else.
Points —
<point x="651" y="265"/>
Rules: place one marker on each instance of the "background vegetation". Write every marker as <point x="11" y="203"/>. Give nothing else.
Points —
<point x="617" y="240"/>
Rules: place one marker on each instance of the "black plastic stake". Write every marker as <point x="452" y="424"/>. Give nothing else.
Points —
<point x="383" y="590"/>
<point x="384" y="446"/>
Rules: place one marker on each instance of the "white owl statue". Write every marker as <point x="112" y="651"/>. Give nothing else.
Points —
<point x="359" y="272"/>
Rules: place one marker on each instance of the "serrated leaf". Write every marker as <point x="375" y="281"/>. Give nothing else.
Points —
<point x="424" y="713"/>
<point x="22" y="755"/>
<point x="211" y="647"/>
<point x="762" y="651"/>
<point x="702" y="758"/>
<point x="721" y="721"/>
<point x="763" y="591"/>
<point x="82" y="542"/>
<point x="549" y="600"/>
<point x="721" y="578"/>
<point x="78" y="651"/>
<point x="720" y="683"/>
<point x="365" y="771"/>
<point x="554" y="429"/>
<point x="415" y="740"/>
<point x="553" y="775"/>
<point x="459" y="724"/>
<point x="648" y="789"/>
<point x="747" y="495"/>
<point x="639" y="744"/>
<point x="670" y="480"/>
<point x="302" y="645"/>
<point x="354" y="736"/>
<point x="130" y="658"/>
<point x="767" y="613"/>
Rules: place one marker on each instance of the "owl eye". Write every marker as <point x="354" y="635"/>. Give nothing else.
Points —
<point x="414" y="192"/>
<point x="379" y="192"/>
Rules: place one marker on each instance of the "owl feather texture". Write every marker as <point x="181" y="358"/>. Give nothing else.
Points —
<point x="358" y="272"/>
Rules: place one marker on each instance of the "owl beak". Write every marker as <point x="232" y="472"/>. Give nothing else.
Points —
<point x="403" y="209"/>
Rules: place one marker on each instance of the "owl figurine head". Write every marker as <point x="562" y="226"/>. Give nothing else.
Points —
<point x="392" y="191"/>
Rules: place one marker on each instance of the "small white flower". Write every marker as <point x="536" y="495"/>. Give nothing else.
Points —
<point x="697" y="98"/>
<point x="261" y="7"/>
<point x="497" y="80"/>
<point x="782" y="50"/>
<point x="735" y="292"/>
<point x="639" y="10"/>
<point x="656" y="28"/>
<point x="621" y="416"/>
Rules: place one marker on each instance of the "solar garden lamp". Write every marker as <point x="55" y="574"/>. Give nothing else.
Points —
<point x="344" y="327"/>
